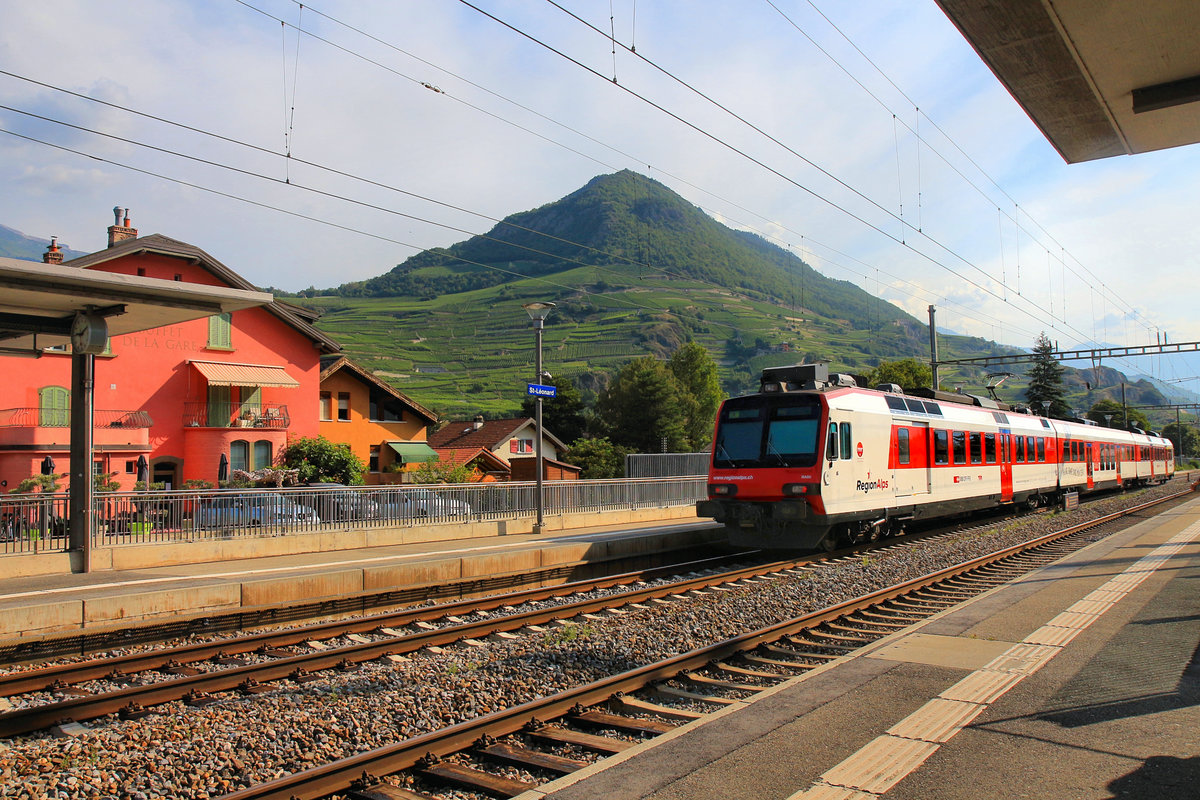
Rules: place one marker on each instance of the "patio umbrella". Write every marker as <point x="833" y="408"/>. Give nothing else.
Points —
<point x="223" y="468"/>
<point x="143" y="471"/>
<point x="48" y="466"/>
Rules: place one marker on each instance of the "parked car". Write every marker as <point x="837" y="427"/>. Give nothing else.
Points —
<point x="410" y="503"/>
<point x="336" y="502"/>
<point x="243" y="511"/>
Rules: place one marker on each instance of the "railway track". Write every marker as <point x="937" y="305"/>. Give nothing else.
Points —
<point x="130" y="685"/>
<point x="466" y="755"/>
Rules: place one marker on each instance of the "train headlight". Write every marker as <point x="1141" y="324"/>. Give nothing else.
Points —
<point x="722" y="489"/>
<point x="801" y="489"/>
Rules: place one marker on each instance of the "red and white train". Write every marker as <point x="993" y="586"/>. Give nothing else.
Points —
<point x="812" y="460"/>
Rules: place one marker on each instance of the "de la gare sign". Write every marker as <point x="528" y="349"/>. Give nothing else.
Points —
<point x="538" y="390"/>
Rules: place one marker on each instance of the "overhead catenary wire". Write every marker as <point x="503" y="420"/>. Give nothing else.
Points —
<point x="1028" y="311"/>
<point x="923" y="292"/>
<point x="1116" y="297"/>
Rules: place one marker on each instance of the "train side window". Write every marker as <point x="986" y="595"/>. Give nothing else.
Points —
<point x="1019" y="450"/>
<point x="989" y="444"/>
<point x="941" y="447"/>
<point x="960" y="447"/>
<point x="976" y="448"/>
<point x="831" y="448"/>
<point x="902" y="449"/>
<point x="847" y="439"/>
<point x="1030" y="451"/>
<point x="1041" y="448"/>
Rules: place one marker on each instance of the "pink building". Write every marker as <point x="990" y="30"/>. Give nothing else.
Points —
<point x="182" y="396"/>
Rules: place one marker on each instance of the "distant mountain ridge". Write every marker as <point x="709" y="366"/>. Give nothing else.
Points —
<point x="635" y="270"/>
<point x="633" y="224"/>
<point x="14" y="244"/>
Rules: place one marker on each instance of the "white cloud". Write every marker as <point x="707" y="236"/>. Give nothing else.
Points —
<point x="228" y="70"/>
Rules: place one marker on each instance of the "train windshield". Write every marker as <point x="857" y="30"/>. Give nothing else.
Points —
<point x="768" y="432"/>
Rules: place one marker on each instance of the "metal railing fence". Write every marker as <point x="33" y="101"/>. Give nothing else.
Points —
<point x="665" y="465"/>
<point x="38" y="522"/>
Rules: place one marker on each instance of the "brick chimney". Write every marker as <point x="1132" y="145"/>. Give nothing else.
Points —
<point x="53" y="255"/>
<point x="477" y="423"/>
<point x="119" y="231"/>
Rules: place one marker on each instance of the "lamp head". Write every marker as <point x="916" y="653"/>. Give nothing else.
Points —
<point x="538" y="310"/>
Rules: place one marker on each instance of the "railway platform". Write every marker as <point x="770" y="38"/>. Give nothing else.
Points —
<point x="89" y="603"/>
<point x="1080" y="680"/>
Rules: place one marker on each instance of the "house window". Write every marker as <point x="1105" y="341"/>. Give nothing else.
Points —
<point x="220" y="331"/>
<point x="373" y="459"/>
<point x="54" y="407"/>
<point x="344" y="406"/>
<point x="520" y="446"/>
<point x="249" y="456"/>
<point x="130" y="467"/>
<point x="326" y="410"/>
<point x="262" y="455"/>
<point x="385" y="408"/>
<point x="239" y="455"/>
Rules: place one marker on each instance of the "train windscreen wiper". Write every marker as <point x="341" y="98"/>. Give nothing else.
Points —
<point x="726" y="457"/>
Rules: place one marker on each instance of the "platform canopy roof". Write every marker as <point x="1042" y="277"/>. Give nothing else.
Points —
<point x="1099" y="78"/>
<point x="38" y="303"/>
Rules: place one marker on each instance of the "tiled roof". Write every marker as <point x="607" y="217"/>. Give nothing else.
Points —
<point x="463" y="455"/>
<point x="165" y="245"/>
<point x="332" y="363"/>
<point x="465" y="435"/>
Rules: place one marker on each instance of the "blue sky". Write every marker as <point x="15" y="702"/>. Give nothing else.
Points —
<point x="982" y="218"/>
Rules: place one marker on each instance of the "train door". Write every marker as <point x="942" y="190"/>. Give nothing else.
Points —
<point x="911" y="475"/>
<point x="922" y="463"/>
<point x="1091" y="478"/>
<point x="1006" y="476"/>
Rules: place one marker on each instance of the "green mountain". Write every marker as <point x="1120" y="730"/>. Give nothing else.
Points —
<point x="14" y="244"/>
<point x="634" y="269"/>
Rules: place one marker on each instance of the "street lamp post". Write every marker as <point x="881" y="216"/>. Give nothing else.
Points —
<point x="538" y="312"/>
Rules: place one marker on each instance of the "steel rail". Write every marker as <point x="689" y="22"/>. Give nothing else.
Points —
<point x="16" y="683"/>
<point x="245" y="677"/>
<point x="337" y="776"/>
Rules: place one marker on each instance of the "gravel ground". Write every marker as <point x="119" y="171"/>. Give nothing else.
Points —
<point x="194" y="753"/>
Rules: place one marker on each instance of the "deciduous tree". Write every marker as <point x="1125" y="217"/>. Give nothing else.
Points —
<point x="700" y="392"/>
<point x="597" y="458"/>
<point x="907" y="373"/>
<point x="320" y="460"/>
<point x="641" y="408"/>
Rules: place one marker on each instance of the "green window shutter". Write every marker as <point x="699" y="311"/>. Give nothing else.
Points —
<point x="220" y="331"/>
<point x="54" y="407"/>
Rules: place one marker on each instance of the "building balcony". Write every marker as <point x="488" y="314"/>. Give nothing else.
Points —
<point x="236" y="415"/>
<point x="49" y="427"/>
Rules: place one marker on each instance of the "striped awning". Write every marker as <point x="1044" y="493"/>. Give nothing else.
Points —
<point x="220" y="373"/>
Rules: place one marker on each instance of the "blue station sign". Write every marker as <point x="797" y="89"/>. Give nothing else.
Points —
<point x="538" y="390"/>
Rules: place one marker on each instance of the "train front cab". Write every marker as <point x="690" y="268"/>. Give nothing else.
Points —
<point x="765" y="481"/>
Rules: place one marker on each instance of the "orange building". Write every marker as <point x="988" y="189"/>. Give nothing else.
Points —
<point x="381" y="425"/>
<point x="182" y="396"/>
